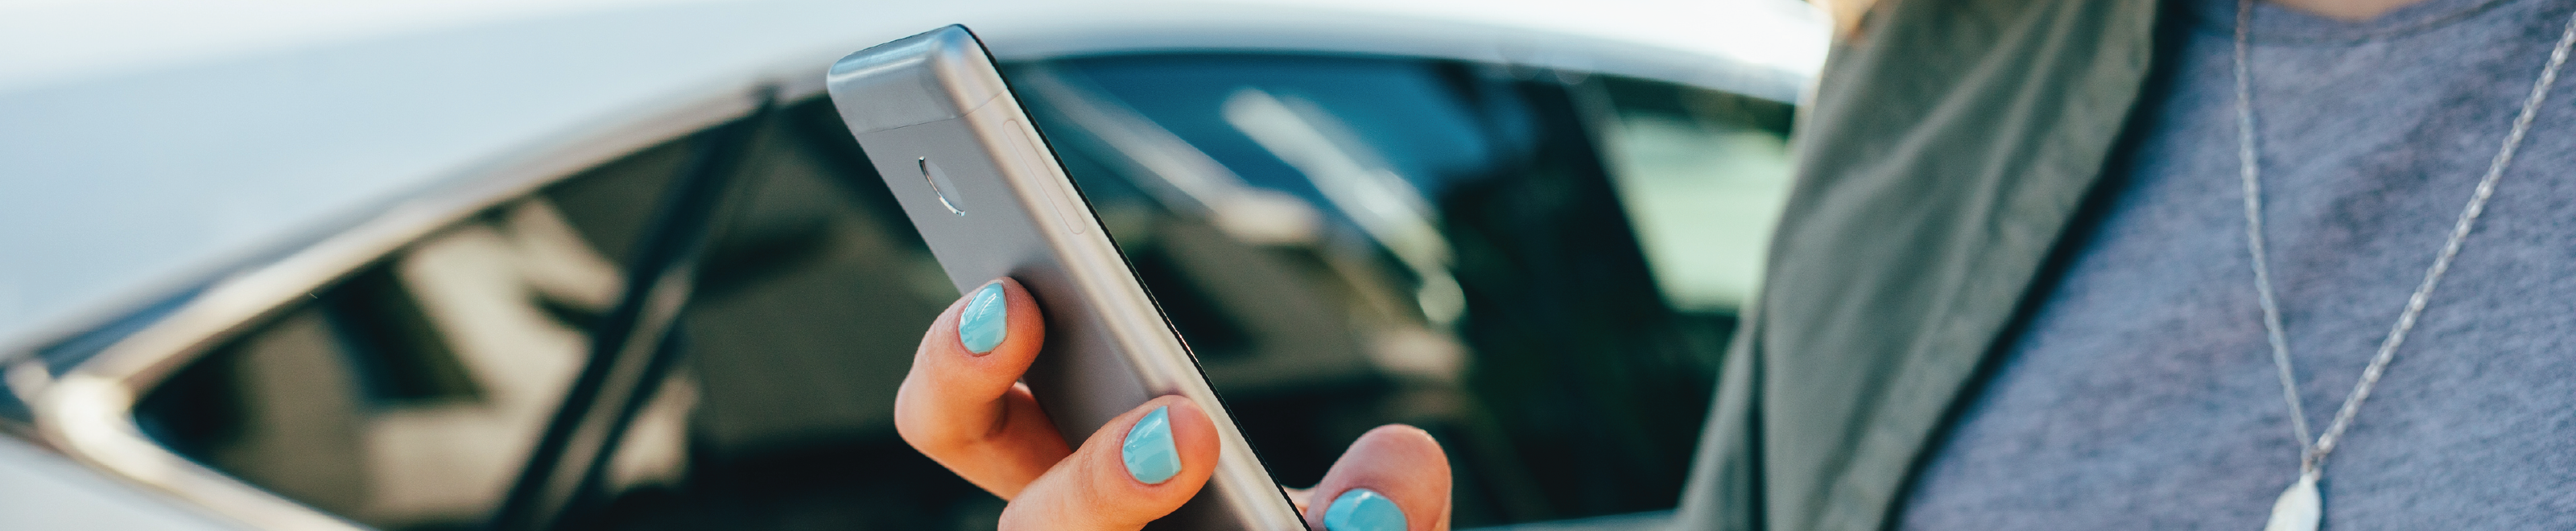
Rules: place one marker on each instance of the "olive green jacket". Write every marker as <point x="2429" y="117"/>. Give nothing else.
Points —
<point x="1948" y="149"/>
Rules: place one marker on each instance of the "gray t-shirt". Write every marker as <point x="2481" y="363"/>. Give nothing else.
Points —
<point x="2142" y="394"/>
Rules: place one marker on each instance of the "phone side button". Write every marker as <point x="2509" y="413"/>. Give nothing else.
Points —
<point x="1034" y="164"/>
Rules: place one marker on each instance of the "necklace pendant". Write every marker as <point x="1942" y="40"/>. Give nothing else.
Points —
<point x="2299" y="509"/>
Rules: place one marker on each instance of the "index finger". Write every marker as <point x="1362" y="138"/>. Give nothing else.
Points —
<point x="962" y="405"/>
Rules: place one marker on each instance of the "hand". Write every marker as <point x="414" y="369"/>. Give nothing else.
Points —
<point x="963" y="406"/>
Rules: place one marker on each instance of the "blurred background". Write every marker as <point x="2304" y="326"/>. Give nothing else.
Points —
<point x="619" y="265"/>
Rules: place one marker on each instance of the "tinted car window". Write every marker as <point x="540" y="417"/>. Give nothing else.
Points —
<point x="406" y="396"/>
<point x="1538" y="267"/>
<point x="1511" y="259"/>
<point x="802" y="323"/>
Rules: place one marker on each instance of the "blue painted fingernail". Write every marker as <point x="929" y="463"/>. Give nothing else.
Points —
<point x="1149" y="453"/>
<point x="985" y="321"/>
<point x="1363" y="510"/>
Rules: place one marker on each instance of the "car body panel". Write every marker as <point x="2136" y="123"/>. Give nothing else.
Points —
<point x="40" y="490"/>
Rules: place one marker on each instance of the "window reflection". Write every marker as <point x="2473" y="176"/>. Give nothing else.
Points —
<point x="1704" y="175"/>
<point x="1519" y="261"/>
<point x="803" y="322"/>
<point x="408" y="395"/>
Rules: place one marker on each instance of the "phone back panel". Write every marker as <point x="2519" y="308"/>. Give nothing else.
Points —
<point x="980" y="185"/>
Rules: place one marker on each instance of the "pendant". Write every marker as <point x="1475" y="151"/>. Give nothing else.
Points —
<point x="2299" y="509"/>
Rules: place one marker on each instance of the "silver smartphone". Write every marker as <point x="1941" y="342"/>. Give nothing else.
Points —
<point x="986" y="193"/>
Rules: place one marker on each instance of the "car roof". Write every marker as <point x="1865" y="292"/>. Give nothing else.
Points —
<point x="148" y="144"/>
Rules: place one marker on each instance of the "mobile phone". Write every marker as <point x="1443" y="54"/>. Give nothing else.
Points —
<point x="978" y="181"/>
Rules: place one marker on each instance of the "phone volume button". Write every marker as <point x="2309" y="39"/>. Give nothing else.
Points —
<point x="1035" y="164"/>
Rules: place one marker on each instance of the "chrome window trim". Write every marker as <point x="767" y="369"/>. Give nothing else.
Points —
<point x="86" y="413"/>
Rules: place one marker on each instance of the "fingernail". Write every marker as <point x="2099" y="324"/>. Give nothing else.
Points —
<point x="1363" y="510"/>
<point x="986" y="320"/>
<point x="1149" y="453"/>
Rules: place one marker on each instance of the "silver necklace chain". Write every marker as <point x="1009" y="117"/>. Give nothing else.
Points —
<point x="2312" y="455"/>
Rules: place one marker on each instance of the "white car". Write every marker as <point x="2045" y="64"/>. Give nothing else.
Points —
<point x="577" y="264"/>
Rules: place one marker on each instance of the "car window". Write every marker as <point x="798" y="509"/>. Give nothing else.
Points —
<point x="1540" y="268"/>
<point x="1515" y="260"/>
<point x="802" y="323"/>
<point x="406" y="396"/>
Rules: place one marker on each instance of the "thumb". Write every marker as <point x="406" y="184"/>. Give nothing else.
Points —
<point x="1138" y="467"/>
